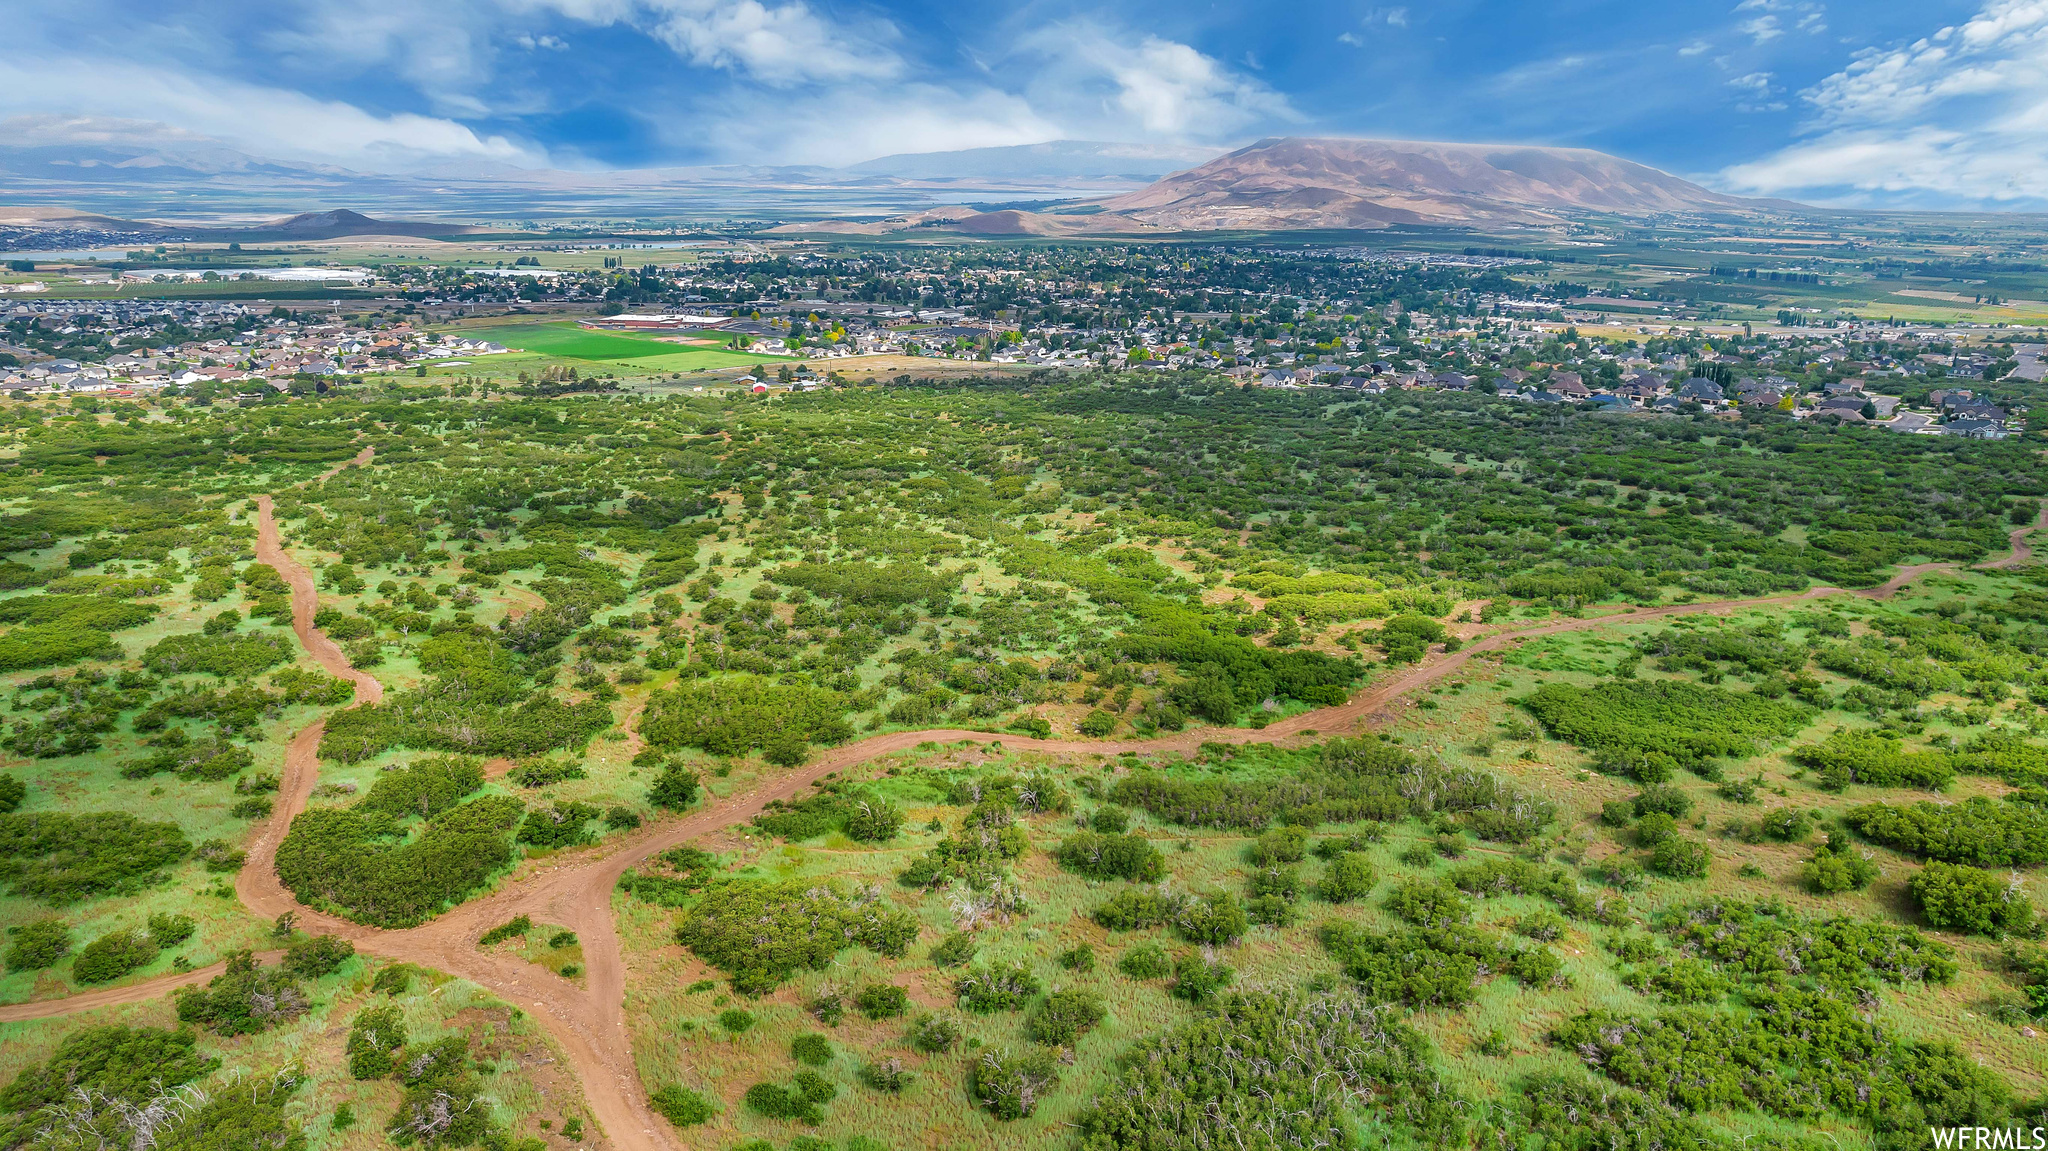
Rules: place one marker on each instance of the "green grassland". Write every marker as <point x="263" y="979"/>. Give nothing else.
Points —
<point x="636" y="352"/>
<point x="572" y="584"/>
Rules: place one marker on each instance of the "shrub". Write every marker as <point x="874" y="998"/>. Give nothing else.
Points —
<point x="561" y="825"/>
<point x="1061" y="1019"/>
<point x="37" y="944"/>
<point x="1836" y="867"/>
<point x="1080" y="957"/>
<point x="373" y="1042"/>
<point x="1198" y="977"/>
<point x="1681" y="858"/>
<point x="1134" y="909"/>
<point x="886" y="1075"/>
<point x="732" y="715"/>
<point x="1655" y="828"/>
<point x="1098" y="856"/>
<point x="1348" y="877"/>
<point x="1109" y="819"/>
<point x="513" y="928"/>
<point x="814" y="1087"/>
<point x="130" y="1064"/>
<point x="934" y="1034"/>
<point x="13" y="791"/>
<point x="1427" y="903"/>
<point x="171" y="930"/>
<point x="777" y="1102"/>
<point x="954" y="950"/>
<point x="762" y="933"/>
<point x="1874" y="760"/>
<point x="998" y="987"/>
<point x="675" y="789"/>
<point x="811" y="1048"/>
<point x="871" y="819"/>
<point x="1971" y="901"/>
<point x="1145" y="961"/>
<point x="1096" y="724"/>
<point x="1280" y="845"/>
<point x="1686" y="721"/>
<point x="1213" y="919"/>
<point x="317" y="956"/>
<point x="681" y="1106"/>
<point x="242" y="1000"/>
<point x="1661" y="800"/>
<point x="60" y="858"/>
<point x="340" y="858"/>
<point x="1008" y="1085"/>
<point x="113" y="955"/>
<point x="1977" y="831"/>
<point x="882" y="1001"/>
<point x="1298" y="1064"/>
<point x="736" y="1020"/>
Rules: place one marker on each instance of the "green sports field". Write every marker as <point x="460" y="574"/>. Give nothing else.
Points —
<point x="641" y="352"/>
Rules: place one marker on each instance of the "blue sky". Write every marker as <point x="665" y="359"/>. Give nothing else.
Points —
<point x="1928" y="102"/>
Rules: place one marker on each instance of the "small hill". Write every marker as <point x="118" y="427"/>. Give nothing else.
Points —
<point x="1297" y="182"/>
<point x="343" y="222"/>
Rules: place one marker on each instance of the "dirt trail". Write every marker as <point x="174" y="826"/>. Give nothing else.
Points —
<point x="2022" y="551"/>
<point x="575" y="889"/>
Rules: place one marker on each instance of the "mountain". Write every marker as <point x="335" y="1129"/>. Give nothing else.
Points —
<point x="1297" y="182"/>
<point x="1053" y="160"/>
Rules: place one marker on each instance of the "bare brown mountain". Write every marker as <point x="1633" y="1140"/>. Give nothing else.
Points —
<point x="1295" y="182"/>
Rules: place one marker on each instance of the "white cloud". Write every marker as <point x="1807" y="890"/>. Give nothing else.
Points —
<point x="1104" y="83"/>
<point x="1960" y="115"/>
<point x="1351" y="38"/>
<point x="781" y="45"/>
<point x="846" y="127"/>
<point x="1755" y="83"/>
<point x="531" y="42"/>
<point x="1761" y="28"/>
<point x="261" y="120"/>
<point x="1696" y="48"/>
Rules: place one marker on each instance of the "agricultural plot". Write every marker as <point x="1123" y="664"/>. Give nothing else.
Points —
<point x="639" y="352"/>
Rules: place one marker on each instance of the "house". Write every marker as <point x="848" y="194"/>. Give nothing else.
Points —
<point x="1453" y="381"/>
<point x="1842" y="388"/>
<point x="1702" y="391"/>
<point x="1975" y="429"/>
<point x="1765" y="399"/>
<point x="1568" y="385"/>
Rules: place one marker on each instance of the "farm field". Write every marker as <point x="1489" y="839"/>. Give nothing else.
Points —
<point x="1008" y="761"/>
<point x="641" y="353"/>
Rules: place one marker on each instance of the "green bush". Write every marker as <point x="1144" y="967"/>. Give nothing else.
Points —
<point x="61" y="859"/>
<point x="675" y="789"/>
<point x="1214" y="919"/>
<point x="882" y="1001"/>
<point x="242" y="1000"/>
<point x="736" y="1020"/>
<point x="1099" y="856"/>
<point x="736" y="714"/>
<point x="374" y="1040"/>
<point x="1686" y="721"/>
<point x="811" y="1048"/>
<point x="998" y="987"/>
<point x="513" y="928"/>
<point x="130" y="1064"/>
<point x="1977" y="831"/>
<point x="1064" y="1015"/>
<point x="317" y="956"/>
<point x="113" y="955"/>
<point x="681" y="1106"/>
<point x="1971" y="901"/>
<point x="953" y="950"/>
<point x="37" y="944"/>
<point x="760" y="933"/>
<point x="1009" y="1085"/>
<point x="1145" y="961"/>
<point x="559" y="825"/>
<point x="1199" y="978"/>
<point x="344" y="859"/>
<point x="934" y="1034"/>
<point x="1836" y="867"/>
<point x="1135" y="908"/>
<point x="1298" y="1064"/>
<point x="1681" y="858"/>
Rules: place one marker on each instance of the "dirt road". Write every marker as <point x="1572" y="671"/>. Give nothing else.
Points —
<point x="575" y="890"/>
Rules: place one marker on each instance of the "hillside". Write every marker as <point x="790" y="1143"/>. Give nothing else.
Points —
<point x="1337" y="183"/>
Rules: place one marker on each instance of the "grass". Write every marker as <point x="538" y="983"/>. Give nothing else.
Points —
<point x="640" y="352"/>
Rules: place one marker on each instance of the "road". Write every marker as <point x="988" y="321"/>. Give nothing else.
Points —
<point x="576" y="892"/>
